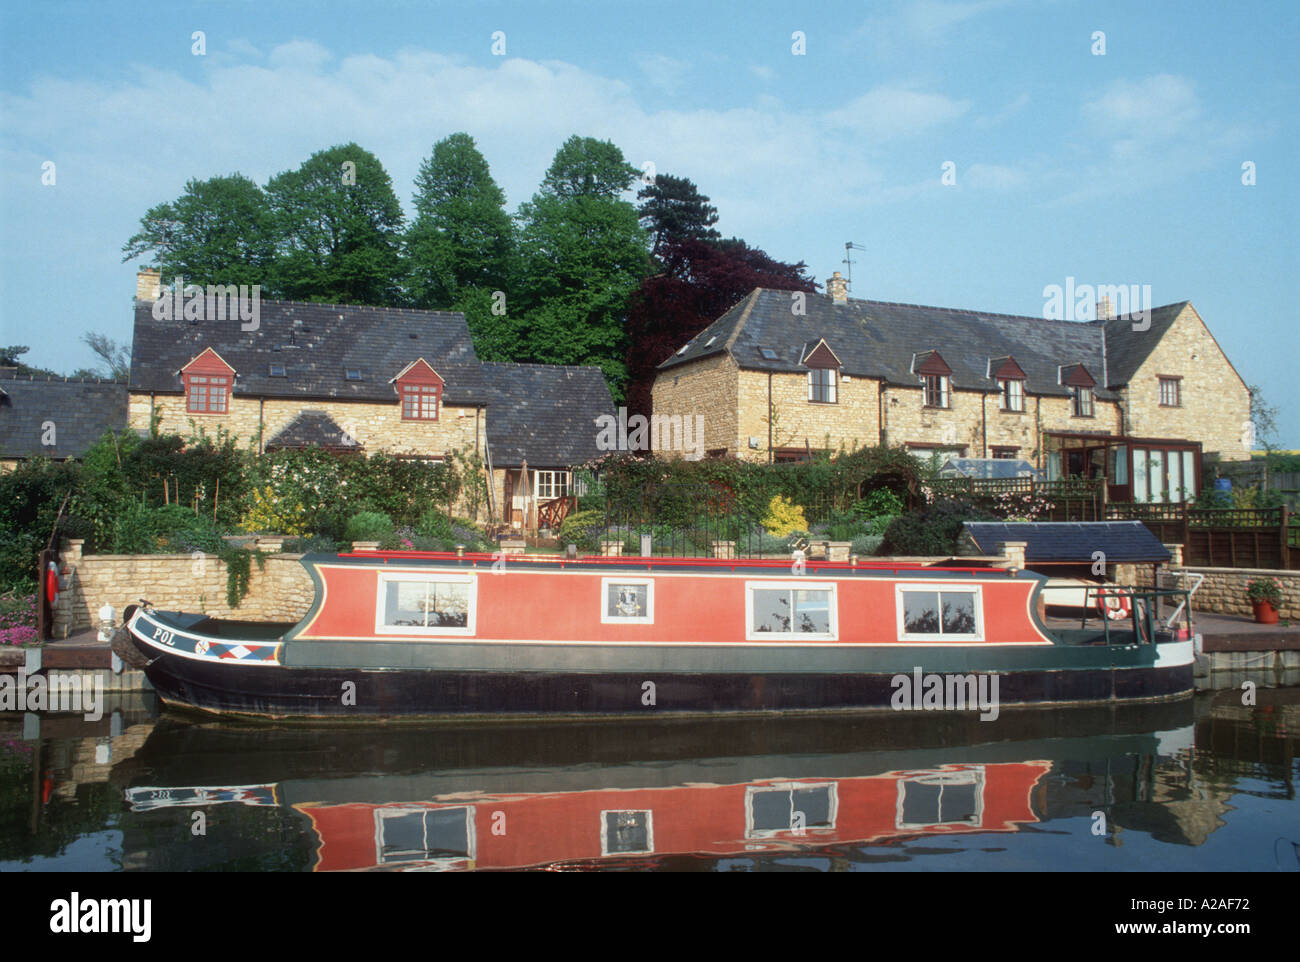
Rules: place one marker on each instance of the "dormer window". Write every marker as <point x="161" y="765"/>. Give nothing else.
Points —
<point x="1081" y="383"/>
<point x="207" y="380"/>
<point x="1013" y="394"/>
<point x="936" y="390"/>
<point x="420" y="388"/>
<point x="1082" y="397"/>
<point x="824" y="371"/>
<point x="821" y="385"/>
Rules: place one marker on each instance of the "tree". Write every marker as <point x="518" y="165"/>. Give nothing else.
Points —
<point x="583" y="254"/>
<point x="338" y="229"/>
<point x="217" y="232"/>
<point x="115" y="357"/>
<point x="10" y="356"/>
<point x="674" y="210"/>
<point x="1263" y="419"/>
<point x="699" y="283"/>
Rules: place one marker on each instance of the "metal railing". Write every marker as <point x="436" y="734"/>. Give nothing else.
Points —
<point x="1142" y="602"/>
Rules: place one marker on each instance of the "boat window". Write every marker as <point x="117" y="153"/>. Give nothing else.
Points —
<point x="789" y="809"/>
<point x="423" y="834"/>
<point x="939" y="613"/>
<point x="626" y="833"/>
<point x="420" y="604"/>
<point x="940" y="798"/>
<point x="627" y="601"/>
<point x="793" y="609"/>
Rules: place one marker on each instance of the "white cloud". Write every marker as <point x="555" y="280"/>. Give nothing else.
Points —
<point x="1133" y="113"/>
<point x="664" y="72"/>
<point x="887" y="112"/>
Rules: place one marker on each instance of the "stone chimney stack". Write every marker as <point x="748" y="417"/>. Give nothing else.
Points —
<point x="1104" y="310"/>
<point x="146" y="285"/>
<point x="838" y="288"/>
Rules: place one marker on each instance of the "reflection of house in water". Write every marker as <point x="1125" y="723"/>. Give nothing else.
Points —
<point x="509" y="831"/>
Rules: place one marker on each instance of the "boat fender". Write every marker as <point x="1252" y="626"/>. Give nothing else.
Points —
<point x="1113" y="604"/>
<point x="52" y="583"/>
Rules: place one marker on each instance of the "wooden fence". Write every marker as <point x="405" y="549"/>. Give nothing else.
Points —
<point x="1220" y="538"/>
<point x="1070" y="500"/>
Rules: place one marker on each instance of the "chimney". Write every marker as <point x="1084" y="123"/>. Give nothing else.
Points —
<point x="1103" y="309"/>
<point x="146" y="285"/>
<point x="838" y="288"/>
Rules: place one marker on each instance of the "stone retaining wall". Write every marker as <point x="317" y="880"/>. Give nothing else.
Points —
<point x="1224" y="589"/>
<point x="281" y="590"/>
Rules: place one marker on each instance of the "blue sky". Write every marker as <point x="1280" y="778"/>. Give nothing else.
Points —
<point x="1124" y="168"/>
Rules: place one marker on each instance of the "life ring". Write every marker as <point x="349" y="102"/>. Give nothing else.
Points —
<point x="52" y="583"/>
<point x="1113" y="604"/>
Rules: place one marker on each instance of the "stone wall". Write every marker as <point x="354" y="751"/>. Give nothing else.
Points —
<point x="851" y="422"/>
<point x="378" y="426"/>
<point x="1224" y="589"/>
<point x="1214" y="403"/>
<point x="281" y="590"/>
<point x="706" y="388"/>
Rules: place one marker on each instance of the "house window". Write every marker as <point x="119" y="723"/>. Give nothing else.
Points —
<point x="627" y="601"/>
<point x="939" y="613"/>
<point x="416" y="604"/>
<point x="787" y="809"/>
<point x="627" y="833"/>
<point x="551" y="484"/>
<point x="790" y="609"/>
<point x="821" y="385"/>
<point x="1013" y="395"/>
<point x="1082" y="397"/>
<point x="207" y="393"/>
<point x="419" y="834"/>
<point x="936" y="390"/>
<point x="1006" y="453"/>
<point x="419" y="402"/>
<point x="940" y="798"/>
<point x="352" y="373"/>
<point x="1169" y="393"/>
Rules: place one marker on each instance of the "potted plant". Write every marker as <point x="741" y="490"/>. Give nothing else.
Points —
<point x="1265" y="595"/>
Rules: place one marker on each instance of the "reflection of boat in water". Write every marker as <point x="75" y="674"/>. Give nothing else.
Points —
<point x="410" y="633"/>
<point x="495" y="796"/>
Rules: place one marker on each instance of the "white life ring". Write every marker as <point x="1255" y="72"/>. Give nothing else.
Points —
<point x="1113" y="604"/>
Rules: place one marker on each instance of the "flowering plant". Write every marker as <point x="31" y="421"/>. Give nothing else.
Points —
<point x="17" y="619"/>
<point x="1266" y="589"/>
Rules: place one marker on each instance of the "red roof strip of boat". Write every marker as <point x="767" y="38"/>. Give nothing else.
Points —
<point x="599" y="560"/>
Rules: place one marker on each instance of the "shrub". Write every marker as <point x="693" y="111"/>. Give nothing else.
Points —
<point x="866" y="544"/>
<point x="434" y="524"/>
<point x="761" y="541"/>
<point x="878" y="502"/>
<point x="584" y="529"/>
<point x="783" y="517"/>
<point x="932" y="532"/>
<point x="1265" y="589"/>
<point x="17" y="618"/>
<point x="368" y="526"/>
<point x="880" y="524"/>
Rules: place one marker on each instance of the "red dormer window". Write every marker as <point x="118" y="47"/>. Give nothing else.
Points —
<point x="207" y="380"/>
<point x="420" y="388"/>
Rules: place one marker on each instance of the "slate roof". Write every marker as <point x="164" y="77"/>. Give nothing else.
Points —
<point x="988" y="468"/>
<point x="316" y="343"/>
<point x="312" y="428"/>
<point x="1071" y="541"/>
<point x="81" y="411"/>
<point x="881" y="339"/>
<point x="544" y="413"/>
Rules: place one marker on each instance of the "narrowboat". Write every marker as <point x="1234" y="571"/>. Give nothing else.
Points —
<point x="436" y="634"/>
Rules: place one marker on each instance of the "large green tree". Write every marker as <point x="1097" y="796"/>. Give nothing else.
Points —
<point x="217" y="232"/>
<point x="583" y="254"/>
<point x="338" y="229"/>
<point x="460" y="245"/>
<point x="673" y="210"/>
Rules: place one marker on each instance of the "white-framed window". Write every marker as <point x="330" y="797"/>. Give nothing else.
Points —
<point x="551" y="484"/>
<point x="627" y="601"/>
<point x="936" y="390"/>
<point x="417" y="833"/>
<point x="421" y="603"/>
<point x="1082" y="397"/>
<point x="1013" y="394"/>
<point x="627" y="832"/>
<point x="821" y="385"/>
<point x="790" y="609"/>
<point x="789" y="808"/>
<point x="926" y="799"/>
<point x="939" y="612"/>
<point x="1170" y="395"/>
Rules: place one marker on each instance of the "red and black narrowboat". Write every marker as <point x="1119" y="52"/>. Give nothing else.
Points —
<point x="425" y="634"/>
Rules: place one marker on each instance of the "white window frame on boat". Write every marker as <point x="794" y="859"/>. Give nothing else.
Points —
<point x="965" y="776"/>
<point x="607" y="619"/>
<point x="940" y="587"/>
<point x="402" y="811"/>
<point x="649" y="830"/>
<point x="388" y="577"/>
<point x="791" y="585"/>
<point x="789" y="788"/>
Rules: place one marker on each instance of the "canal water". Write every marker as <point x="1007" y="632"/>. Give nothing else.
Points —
<point x="1205" y="783"/>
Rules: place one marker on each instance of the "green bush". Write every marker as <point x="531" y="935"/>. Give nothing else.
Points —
<point x="866" y="544"/>
<point x="368" y="526"/>
<point x="932" y="532"/>
<point x="584" y="529"/>
<point x="881" y="501"/>
<point x="434" y="524"/>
